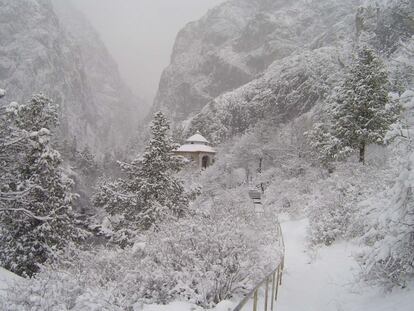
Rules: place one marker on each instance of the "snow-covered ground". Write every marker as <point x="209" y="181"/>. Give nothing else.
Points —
<point x="327" y="282"/>
<point x="6" y="279"/>
<point x="182" y="306"/>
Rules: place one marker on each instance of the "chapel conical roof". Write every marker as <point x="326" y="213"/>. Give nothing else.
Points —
<point x="197" y="138"/>
<point x="196" y="143"/>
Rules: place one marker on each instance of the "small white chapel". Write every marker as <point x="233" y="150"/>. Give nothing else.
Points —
<point x="198" y="149"/>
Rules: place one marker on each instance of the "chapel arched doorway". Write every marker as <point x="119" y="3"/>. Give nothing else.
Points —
<point x="204" y="162"/>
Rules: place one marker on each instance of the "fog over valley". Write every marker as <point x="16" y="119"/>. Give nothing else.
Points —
<point x="140" y="34"/>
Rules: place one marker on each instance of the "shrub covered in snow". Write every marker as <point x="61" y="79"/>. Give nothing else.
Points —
<point x="221" y="248"/>
<point x="334" y="210"/>
<point x="218" y="251"/>
<point x="58" y="291"/>
<point x="388" y="221"/>
<point x="328" y="222"/>
<point x="389" y="257"/>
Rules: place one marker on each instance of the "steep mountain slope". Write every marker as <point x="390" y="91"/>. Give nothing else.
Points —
<point x="287" y="89"/>
<point x="247" y="61"/>
<point x="238" y="40"/>
<point x="119" y="110"/>
<point x="61" y="56"/>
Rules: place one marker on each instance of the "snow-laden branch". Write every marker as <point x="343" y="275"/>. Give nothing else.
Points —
<point x="27" y="212"/>
<point x="14" y="141"/>
<point x="7" y="196"/>
<point x="120" y="195"/>
<point x="13" y="195"/>
<point x="126" y="165"/>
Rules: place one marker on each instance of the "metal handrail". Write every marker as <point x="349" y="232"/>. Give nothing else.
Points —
<point x="275" y="278"/>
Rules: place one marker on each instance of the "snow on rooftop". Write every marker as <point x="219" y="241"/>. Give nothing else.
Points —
<point x="196" y="143"/>
<point x="197" y="138"/>
<point x="196" y="148"/>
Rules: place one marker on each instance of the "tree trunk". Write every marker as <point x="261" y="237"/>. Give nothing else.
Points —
<point x="362" y="153"/>
<point x="260" y="172"/>
<point x="260" y="166"/>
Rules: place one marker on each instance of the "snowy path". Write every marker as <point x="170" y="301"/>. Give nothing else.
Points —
<point x="327" y="282"/>
<point x="6" y="279"/>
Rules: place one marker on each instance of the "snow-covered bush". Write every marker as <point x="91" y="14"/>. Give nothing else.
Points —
<point x="98" y="279"/>
<point x="220" y="249"/>
<point x="58" y="290"/>
<point x="334" y="210"/>
<point x="217" y="251"/>
<point x="328" y="222"/>
<point x="388" y="221"/>
<point x="389" y="257"/>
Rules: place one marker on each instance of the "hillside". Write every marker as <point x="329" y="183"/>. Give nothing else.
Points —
<point x="237" y="41"/>
<point x="295" y="84"/>
<point x="246" y="61"/>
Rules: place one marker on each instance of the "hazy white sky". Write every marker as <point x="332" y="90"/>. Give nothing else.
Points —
<point x="140" y="34"/>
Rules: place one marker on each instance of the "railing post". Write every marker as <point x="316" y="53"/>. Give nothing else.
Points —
<point x="276" y="277"/>
<point x="277" y="282"/>
<point x="266" y="294"/>
<point x="255" y="300"/>
<point x="281" y="272"/>
<point x="273" y="291"/>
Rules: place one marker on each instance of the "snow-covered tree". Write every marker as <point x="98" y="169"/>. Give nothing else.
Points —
<point x="323" y="142"/>
<point x="150" y="191"/>
<point x="87" y="162"/>
<point x="389" y="220"/>
<point x="391" y="256"/>
<point x="363" y="110"/>
<point x="151" y="175"/>
<point x="37" y="220"/>
<point x="361" y="113"/>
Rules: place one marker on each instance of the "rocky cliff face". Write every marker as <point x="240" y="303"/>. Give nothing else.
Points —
<point x="49" y="47"/>
<point x="237" y="41"/>
<point x="248" y="61"/>
<point x="286" y="90"/>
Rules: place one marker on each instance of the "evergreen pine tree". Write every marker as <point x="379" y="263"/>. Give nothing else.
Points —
<point x="324" y="143"/>
<point x="39" y="221"/>
<point x="362" y="111"/>
<point x="150" y="192"/>
<point x="87" y="162"/>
